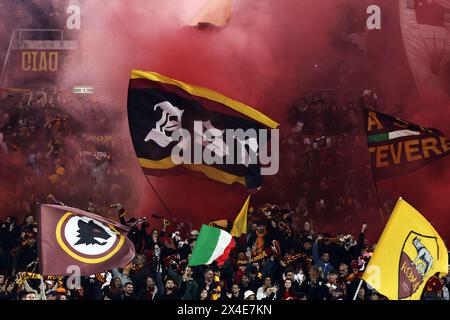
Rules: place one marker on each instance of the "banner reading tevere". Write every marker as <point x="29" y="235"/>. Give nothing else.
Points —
<point x="398" y="147"/>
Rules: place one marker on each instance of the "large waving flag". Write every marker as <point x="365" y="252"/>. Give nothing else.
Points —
<point x="159" y="107"/>
<point x="213" y="244"/>
<point x="398" y="147"/>
<point x="409" y="252"/>
<point x="72" y="237"/>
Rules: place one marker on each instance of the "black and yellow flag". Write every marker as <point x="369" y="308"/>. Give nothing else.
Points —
<point x="398" y="147"/>
<point x="409" y="252"/>
<point x="159" y="107"/>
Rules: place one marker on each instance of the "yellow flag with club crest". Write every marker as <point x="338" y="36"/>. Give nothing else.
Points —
<point x="409" y="252"/>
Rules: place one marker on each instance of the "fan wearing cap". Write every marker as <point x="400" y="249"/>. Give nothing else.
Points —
<point x="61" y="294"/>
<point x="51" y="295"/>
<point x="193" y="235"/>
<point x="249" y="295"/>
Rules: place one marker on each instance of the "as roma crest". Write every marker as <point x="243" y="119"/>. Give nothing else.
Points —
<point x="86" y="239"/>
<point x="418" y="257"/>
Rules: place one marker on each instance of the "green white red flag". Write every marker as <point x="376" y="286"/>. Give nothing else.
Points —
<point x="213" y="244"/>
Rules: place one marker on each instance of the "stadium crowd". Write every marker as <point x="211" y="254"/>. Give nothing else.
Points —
<point x="282" y="257"/>
<point x="270" y="262"/>
<point x="49" y="148"/>
<point x="323" y="150"/>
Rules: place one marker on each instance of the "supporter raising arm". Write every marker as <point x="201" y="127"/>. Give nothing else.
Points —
<point x="322" y="261"/>
<point x="135" y="234"/>
<point x="188" y="286"/>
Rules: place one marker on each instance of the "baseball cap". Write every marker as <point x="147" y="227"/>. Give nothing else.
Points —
<point x="194" y="233"/>
<point x="248" y="293"/>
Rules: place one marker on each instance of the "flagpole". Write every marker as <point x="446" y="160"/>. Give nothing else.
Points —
<point x="380" y="206"/>
<point x="159" y="197"/>
<point x="357" y="290"/>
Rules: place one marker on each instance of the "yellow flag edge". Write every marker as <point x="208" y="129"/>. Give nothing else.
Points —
<point x="208" y="94"/>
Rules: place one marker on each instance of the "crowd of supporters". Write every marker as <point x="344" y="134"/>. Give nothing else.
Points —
<point x="270" y="262"/>
<point x="324" y="150"/>
<point x="59" y="144"/>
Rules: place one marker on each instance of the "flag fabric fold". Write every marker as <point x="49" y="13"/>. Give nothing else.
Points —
<point x="70" y="237"/>
<point x="408" y="253"/>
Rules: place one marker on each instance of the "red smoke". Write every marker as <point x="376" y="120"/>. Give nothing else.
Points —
<point x="268" y="52"/>
<point x="263" y="57"/>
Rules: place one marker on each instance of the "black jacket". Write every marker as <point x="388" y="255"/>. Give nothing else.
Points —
<point x="144" y="295"/>
<point x="132" y="297"/>
<point x="172" y="296"/>
<point x="138" y="278"/>
<point x="315" y="291"/>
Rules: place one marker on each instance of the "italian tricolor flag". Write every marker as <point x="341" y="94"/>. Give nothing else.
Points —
<point x="213" y="244"/>
<point x="392" y="135"/>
